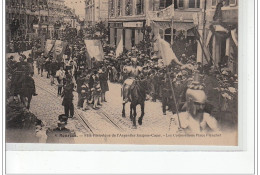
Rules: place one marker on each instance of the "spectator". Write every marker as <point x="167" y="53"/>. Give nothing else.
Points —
<point x="67" y="95"/>
<point x="103" y="83"/>
<point x="96" y="90"/>
<point x="54" y="67"/>
<point x="80" y="82"/>
<point x="60" y="74"/>
<point x="85" y="93"/>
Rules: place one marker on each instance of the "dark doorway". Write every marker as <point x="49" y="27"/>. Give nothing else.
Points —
<point x="124" y="37"/>
<point x="115" y="37"/>
<point x="133" y="38"/>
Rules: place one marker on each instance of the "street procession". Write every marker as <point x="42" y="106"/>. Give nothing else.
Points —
<point x="135" y="69"/>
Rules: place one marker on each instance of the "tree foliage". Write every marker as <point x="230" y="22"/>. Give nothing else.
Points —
<point x="99" y="31"/>
<point x="146" y="45"/>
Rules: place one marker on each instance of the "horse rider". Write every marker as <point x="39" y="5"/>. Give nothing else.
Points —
<point x="134" y="70"/>
<point x="133" y="73"/>
<point x="195" y="119"/>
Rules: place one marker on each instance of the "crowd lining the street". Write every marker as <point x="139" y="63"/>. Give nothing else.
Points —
<point x="90" y="79"/>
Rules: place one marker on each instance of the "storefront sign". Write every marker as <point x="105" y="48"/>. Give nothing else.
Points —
<point x="116" y="25"/>
<point x="133" y="24"/>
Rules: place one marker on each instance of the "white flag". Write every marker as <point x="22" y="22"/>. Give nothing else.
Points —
<point x="120" y="47"/>
<point x="166" y="52"/>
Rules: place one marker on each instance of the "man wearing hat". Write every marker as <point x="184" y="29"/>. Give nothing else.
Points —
<point x="80" y="82"/>
<point x="67" y="95"/>
<point x="195" y="119"/>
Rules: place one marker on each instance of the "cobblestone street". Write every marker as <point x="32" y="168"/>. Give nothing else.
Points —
<point x="106" y="120"/>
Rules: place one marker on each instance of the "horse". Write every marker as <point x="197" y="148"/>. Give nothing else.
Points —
<point x="134" y="91"/>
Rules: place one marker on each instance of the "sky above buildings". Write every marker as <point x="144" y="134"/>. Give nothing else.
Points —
<point x="78" y="5"/>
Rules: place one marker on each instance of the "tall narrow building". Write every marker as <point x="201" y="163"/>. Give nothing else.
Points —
<point x="96" y="11"/>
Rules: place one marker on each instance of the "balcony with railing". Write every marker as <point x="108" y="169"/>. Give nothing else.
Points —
<point x="165" y="14"/>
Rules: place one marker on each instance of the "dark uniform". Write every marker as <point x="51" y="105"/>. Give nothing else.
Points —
<point x="47" y="67"/>
<point x="167" y="99"/>
<point x="80" y="82"/>
<point x="67" y="102"/>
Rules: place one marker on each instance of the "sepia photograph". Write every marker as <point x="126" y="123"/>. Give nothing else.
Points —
<point x="127" y="72"/>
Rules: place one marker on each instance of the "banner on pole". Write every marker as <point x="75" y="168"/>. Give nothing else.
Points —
<point x="166" y="52"/>
<point x="120" y="47"/>
<point x="59" y="49"/>
<point x="94" y="50"/>
<point x="48" y="46"/>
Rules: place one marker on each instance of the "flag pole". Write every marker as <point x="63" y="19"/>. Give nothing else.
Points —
<point x="169" y="77"/>
<point x="174" y="98"/>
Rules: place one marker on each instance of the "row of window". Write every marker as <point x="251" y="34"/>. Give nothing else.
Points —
<point x="116" y="6"/>
<point x="226" y="2"/>
<point x="128" y="8"/>
<point x="192" y="3"/>
<point x="195" y="3"/>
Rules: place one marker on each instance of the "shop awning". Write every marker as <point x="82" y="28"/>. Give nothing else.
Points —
<point x="178" y="26"/>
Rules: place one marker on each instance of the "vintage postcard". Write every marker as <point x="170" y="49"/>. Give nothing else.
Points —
<point x="135" y="72"/>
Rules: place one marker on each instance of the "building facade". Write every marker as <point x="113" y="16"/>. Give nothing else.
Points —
<point x="221" y="33"/>
<point x="128" y="17"/>
<point x="126" y="20"/>
<point x="96" y="11"/>
<point x="213" y="21"/>
<point x="28" y="18"/>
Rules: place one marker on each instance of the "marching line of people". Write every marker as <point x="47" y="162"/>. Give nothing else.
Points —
<point x="91" y="85"/>
<point x="91" y="81"/>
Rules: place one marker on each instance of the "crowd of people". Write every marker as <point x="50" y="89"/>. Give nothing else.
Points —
<point x="20" y="44"/>
<point x="74" y="74"/>
<point x="89" y="79"/>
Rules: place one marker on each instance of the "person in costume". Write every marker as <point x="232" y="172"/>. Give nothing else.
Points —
<point x="195" y="119"/>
